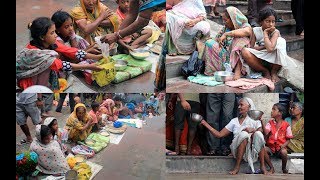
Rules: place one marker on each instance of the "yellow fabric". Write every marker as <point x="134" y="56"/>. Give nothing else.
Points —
<point x="80" y="12"/>
<point x="107" y="75"/>
<point x="63" y="84"/>
<point x="155" y="36"/>
<point x="296" y="144"/>
<point x="74" y="126"/>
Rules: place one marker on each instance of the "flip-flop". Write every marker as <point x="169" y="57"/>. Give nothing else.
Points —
<point x="171" y="153"/>
<point x="23" y="141"/>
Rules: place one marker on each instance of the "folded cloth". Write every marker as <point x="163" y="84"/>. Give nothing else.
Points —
<point x="204" y="80"/>
<point x="244" y="83"/>
<point x="134" y="69"/>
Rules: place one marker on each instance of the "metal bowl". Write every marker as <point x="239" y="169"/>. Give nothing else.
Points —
<point x="223" y="76"/>
<point x="120" y="65"/>
<point x="196" y="117"/>
<point x="255" y="114"/>
<point x="71" y="175"/>
<point x="140" y="54"/>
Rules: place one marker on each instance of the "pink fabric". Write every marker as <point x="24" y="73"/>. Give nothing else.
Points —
<point x="244" y="83"/>
<point x="93" y="116"/>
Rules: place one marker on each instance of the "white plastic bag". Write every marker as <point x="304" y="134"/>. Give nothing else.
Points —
<point x="103" y="46"/>
<point x="296" y="166"/>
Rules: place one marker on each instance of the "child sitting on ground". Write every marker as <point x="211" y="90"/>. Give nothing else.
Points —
<point x="96" y="117"/>
<point x="268" y="49"/>
<point x="148" y="34"/>
<point x="124" y="111"/>
<point x="108" y="107"/>
<point x="278" y="133"/>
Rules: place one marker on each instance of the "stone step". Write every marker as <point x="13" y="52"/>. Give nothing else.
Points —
<point x="282" y="4"/>
<point x="182" y="85"/>
<point x="213" y="164"/>
<point x="294" y="42"/>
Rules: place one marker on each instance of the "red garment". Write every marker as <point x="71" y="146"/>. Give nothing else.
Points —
<point x="278" y="137"/>
<point x="93" y="116"/>
<point x="69" y="52"/>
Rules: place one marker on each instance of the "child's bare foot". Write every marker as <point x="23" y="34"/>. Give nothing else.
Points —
<point x="264" y="170"/>
<point x="237" y="75"/>
<point x="275" y="78"/>
<point x="271" y="171"/>
<point x="234" y="171"/>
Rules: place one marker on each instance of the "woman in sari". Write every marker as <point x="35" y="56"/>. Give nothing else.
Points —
<point x="248" y="142"/>
<point x="225" y="49"/>
<point x="184" y="21"/>
<point x="79" y="123"/>
<point x="92" y="19"/>
<point x="51" y="159"/>
<point x="296" y="122"/>
<point x="108" y="107"/>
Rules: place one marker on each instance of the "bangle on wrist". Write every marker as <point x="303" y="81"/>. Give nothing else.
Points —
<point x="118" y="35"/>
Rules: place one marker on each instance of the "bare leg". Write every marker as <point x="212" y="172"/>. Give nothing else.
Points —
<point x="268" y="161"/>
<point x="177" y="140"/>
<point x="142" y="40"/>
<point x="237" y="71"/>
<point x="240" y="154"/>
<point x="284" y="157"/>
<point x="26" y="131"/>
<point x="274" y="72"/>
<point x="254" y="62"/>
<point x="191" y="135"/>
<point x="262" y="163"/>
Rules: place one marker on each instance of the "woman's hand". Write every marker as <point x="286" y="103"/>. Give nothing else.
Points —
<point x="109" y="38"/>
<point x="191" y="23"/>
<point x="105" y="14"/>
<point x="94" y="67"/>
<point x="249" y="130"/>
<point x="203" y="122"/>
<point x="222" y="39"/>
<point x="185" y="105"/>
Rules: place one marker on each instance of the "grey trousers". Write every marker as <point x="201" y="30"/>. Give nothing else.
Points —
<point x="215" y="103"/>
<point x="254" y="6"/>
<point x="180" y="114"/>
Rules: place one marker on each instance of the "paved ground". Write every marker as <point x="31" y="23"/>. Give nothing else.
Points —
<point x="239" y="177"/>
<point x="139" y="155"/>
<point x="26" y="12"/>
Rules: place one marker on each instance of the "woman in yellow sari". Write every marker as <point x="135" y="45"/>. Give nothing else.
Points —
<point x="79" y="123"/>
<point x="92" y="18"/>
<point x="296" y="122"/>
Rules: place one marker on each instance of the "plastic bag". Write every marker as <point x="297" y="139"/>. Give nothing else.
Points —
<point x="296" y="166"/>
<point x="103" y="46"/>
<point x="107" y="74"/>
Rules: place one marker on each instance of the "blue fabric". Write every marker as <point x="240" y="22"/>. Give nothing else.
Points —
<point x="124" y="117"/>
<point x="130" y="106"/>
<point x="151" y="4"/>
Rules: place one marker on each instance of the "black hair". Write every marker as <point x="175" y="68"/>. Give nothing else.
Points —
<point x="266" y="12"/>
<point x="117" y="98"/>
<point x="94" y="104"/>
<point x="282" y="109"/>
<point x="44" y="131"/>
<point x="226" y="13"/>
<point x="50" y="126"/>
<point x="39" y="28"/>
<point x="59" y="17"/>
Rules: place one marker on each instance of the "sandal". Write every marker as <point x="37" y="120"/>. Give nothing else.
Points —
<point x="171" y="153"/>
<point x="24" y="141"/>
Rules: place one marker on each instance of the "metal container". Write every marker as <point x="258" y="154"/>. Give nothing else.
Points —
<point x="223" y="76"/>
<point x="255" y="114"/>
<point x="120" y="65"/>
<point x="71" y="175"/>
<point x="196" y="117"/>
<point x="140" y="54"/>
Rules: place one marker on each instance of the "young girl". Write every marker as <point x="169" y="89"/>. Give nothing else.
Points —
<point x="108" y="107"/>
<point x="267" y="47"/>
<point x="278" y="133"/>
<point x="39" y="63"/>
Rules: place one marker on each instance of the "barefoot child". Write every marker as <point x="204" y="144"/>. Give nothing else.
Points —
<point x="278" y="133"/>
<point x="39" y="62"/>
<point x="146" y="35"/>
<point x="267" y="47"/>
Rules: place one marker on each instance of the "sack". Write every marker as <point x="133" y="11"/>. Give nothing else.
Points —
<point x="296" y="166"/>
<point x="192" y="66"/>
<point x="107" y="75"/>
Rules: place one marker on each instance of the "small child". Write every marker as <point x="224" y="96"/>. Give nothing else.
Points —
<point x="213" y="6"/>
<point x="108" y="107"/>
<point x="139" y="38"/>
<point x="96" y="118"/>
<point x="278" y="133"/>
<point x="124" y="111"/>
<point x="267" y="45"/>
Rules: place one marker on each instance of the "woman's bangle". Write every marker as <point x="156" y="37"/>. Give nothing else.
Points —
<point x="118" y="35"/>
